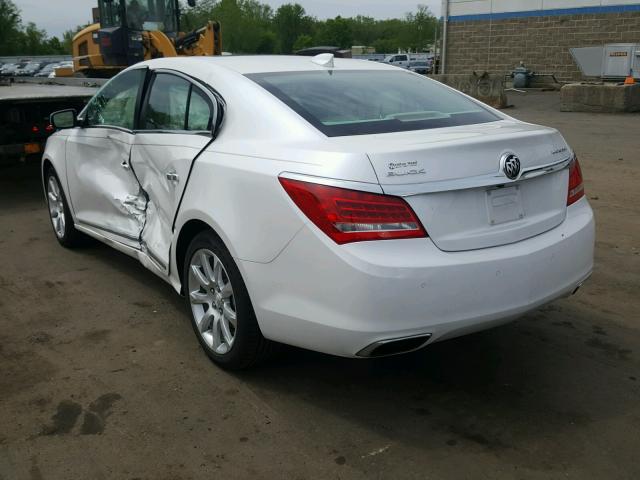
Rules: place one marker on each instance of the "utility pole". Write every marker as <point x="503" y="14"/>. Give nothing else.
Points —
<point x="445" y="15"/>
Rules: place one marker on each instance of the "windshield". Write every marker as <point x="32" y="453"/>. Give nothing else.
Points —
<point x="359" y="102"/>
<point x="152" y="15"/>
<point x="109" y="13"/>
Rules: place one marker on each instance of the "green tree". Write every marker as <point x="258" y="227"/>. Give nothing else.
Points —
<point x="34" y="40"/>
<point x="336" y="32"/>
<point x="268" y="42"/>
<point x="245" y="23"/>
<point x="364" y="30"/>
<point x="303" y="41"/>
<point x="421" y="28"/>
<point x="10" y="27"/>
<point x="290" y="21"/>
<point x="386" y="45"/>
<point x="251" y="26"/>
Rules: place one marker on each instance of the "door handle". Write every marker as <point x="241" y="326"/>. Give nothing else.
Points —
<point x="172" y="176"/>
<point x="125" y="165"/>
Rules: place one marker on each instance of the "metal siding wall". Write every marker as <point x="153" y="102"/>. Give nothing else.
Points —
<point x="486" y="7"/>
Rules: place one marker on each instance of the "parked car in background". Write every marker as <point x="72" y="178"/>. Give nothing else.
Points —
<point x="419" y="66"/>
<point x="365" y="213"/>
<point x="398" y="60"/>
<point x="10" y="69"/>
<point x="47" y="70"/>
<point x="27" y="69"/>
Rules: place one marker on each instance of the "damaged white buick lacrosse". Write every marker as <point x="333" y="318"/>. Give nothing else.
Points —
<point x="337" y="205"/>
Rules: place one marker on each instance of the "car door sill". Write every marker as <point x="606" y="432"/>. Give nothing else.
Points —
<point x="99" y="234"/>
<point x="108" y="230"/>
<point x="160" y="264"/>
<point x="143" y="257"/>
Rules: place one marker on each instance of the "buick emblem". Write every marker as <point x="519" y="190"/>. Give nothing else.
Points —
<point x="510" y="165"/>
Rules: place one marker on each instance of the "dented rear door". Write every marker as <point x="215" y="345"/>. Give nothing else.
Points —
<point x="175" y="126"/>
<point x="162" y="163"/>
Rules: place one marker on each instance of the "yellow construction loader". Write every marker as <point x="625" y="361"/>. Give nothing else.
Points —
<point x="129" y="31"/>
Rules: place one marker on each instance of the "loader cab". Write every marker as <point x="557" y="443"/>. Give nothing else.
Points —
<point x="123" y="21"/>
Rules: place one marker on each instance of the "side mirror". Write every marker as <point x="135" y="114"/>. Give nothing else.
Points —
<point x="191" y="3"/>
<point x="64" y="119"/>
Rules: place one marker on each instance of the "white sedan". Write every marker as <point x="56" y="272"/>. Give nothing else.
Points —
<point x="338" y="205"/>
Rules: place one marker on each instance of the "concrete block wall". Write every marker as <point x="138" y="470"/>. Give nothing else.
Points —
<point x="498" y="42"/>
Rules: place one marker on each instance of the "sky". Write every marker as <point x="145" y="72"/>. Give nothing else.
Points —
<point x="56" y="16"/>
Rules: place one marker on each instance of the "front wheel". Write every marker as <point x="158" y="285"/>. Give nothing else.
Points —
<point x="59" y="213"/>
<point x="221" y="312"/>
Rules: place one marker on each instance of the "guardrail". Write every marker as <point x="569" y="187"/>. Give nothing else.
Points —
<point x="35" y="58"/>
<point x="68" y="81"/>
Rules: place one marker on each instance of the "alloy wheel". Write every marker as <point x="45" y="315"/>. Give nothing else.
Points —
<point x="212" y="301"/>
<point x="56" y="206"/>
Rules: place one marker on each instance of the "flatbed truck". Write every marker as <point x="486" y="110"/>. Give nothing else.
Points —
<point x="24" y="114"/>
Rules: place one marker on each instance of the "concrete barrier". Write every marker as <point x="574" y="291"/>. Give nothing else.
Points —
<point x="485" y="87"/>
<point x="604" y="98"/>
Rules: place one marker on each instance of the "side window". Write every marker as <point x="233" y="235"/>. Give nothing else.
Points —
<point x="199" y="111"/>
<point x="115" y="104"/>
<point x="167" y="105"/>
<point x="402" y="58"/>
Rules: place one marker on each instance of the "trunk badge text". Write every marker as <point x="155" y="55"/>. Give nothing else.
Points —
<point x="400" y="169"/>
<point x="559" y="150"/>
<point x="510" y="165"/>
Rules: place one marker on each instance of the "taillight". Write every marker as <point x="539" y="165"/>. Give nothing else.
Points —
<point x="354" y="216"/>
<point x="35" y="129"/>
<point x="49" y="128"/>
<point x="576" y="186"/>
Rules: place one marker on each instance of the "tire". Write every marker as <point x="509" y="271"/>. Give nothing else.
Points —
<point x="222" y="317"/>
<point x="59" y="213"/>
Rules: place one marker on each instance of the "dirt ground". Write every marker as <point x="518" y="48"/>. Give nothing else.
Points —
<point x="101" y="376"/>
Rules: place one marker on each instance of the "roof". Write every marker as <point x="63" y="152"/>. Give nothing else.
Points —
<point x="245" y="64"/>
<point x="36" y="92"/>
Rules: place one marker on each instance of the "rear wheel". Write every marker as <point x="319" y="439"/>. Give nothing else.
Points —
<point x="59" y="213"/>
<point x="221" y="312"/>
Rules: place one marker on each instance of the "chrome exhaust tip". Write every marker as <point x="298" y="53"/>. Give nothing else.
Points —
<point x="394" y="346"/>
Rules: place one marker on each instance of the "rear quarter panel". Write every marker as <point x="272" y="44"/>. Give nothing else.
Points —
<point x="241" y="198"/>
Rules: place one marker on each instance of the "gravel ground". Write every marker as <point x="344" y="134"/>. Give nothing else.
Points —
<point x="101" y="376"/>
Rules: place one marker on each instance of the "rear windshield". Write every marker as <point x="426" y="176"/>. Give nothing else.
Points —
<point x="359" y="102"/>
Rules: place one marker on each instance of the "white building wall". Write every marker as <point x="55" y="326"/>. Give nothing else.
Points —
<point x="480" y="7"/>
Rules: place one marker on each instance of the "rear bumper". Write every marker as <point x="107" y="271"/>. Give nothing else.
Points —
<point x="9" y="153"/>
<point x="341" y="299"/>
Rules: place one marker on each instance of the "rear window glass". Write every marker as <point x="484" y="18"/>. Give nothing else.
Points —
<point x="359" y="102"/>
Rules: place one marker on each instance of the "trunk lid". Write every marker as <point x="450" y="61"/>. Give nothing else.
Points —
<point x="452" y="178"/>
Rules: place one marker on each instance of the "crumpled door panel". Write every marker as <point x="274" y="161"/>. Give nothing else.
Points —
<point x="104" y="191"/>
<point x="162" y="162"/>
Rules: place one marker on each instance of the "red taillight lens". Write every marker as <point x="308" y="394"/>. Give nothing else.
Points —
<point x="354" y="216"/>
<point x="576" y="186"/>
<point x="35" y="129"/>
<point x="49" y="128"/>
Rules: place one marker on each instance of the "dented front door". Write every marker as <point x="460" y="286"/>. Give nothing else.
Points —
<point x="105" y="193"/>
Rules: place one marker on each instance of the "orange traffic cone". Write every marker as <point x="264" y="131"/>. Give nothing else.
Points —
<point x="630" y="80"/>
